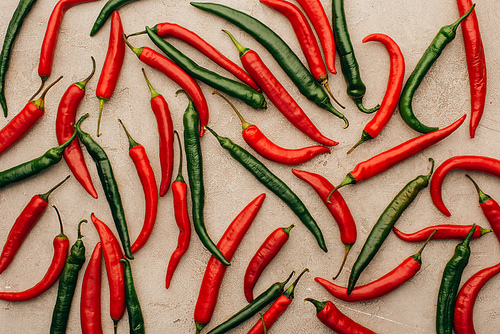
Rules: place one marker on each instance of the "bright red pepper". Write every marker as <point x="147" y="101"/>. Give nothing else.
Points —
<point x="90" y="302"/>
<point x="444" y="232"/>
<point x="464" y="162"/>
<point x="214" y="273"/>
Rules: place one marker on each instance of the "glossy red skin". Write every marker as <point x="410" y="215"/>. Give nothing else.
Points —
<point x="264" y="255"/>
<point x="61" y="247"/>
<point x="338" y="207"/>
<point x="491" y="211"/>
<point x="214" y="273"/>
<point x="179" y="191"/>
<point x="464" y="306"/>
<point x="385" y="160"/>
<point x="269" y="150"/>
<point x="66" y="114"/>
<point x="148" y="181"/>
<point x="166" y="140"/>
<point x="476" y="63"/>
<point x="114" y="60"/>
<point x="21" y="228"/>
<point x="394" y="85"/>
<point x="464" y="162"/>
<point x="114" y="269"/>
<point x="174" y="30"/>
<point x="275" y="311"/>
<point x="90" y="302"/>
<point x="444" y="232"/>
<point x="339" y="322"/>
<point x="281" y="98"/>
<point x="378" y="288"/>
<point x="305" y="36"/>
<point x="170" y="69"/>
<point x="51" y="35"/>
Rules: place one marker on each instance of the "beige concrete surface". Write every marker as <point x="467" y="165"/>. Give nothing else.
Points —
<point x="442" y="98"/>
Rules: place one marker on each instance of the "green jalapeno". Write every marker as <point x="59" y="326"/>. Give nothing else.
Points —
<point x="135" y="318"/>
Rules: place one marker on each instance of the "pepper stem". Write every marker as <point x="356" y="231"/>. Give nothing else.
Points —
<point x="349" y="179"/>
<point x="101" y="105"/>
<point x="264" y="328"/>
<point x="179" y="174"/>
<point x="40" y="103"/>
<point x="288" y="229"/>
<point x="132" y="143"/>
<point x="137" y="51"/>
<point x="245" y="125"/>
<point x="136" y="33"/>
<point x="60" y="220"/>
<point x="45" y="196"/>
<point x="455" y="25"/>
<point x="151" y="89"/>
<point x="44" y="80"/>
<point x="417" y="256"/>
<point x="325" y="83"/>
<point x="482" y="196"/>
<point x="428" y="176"/>
<point x="213" y="132"/>
<point x="80" y="236"/>
<point x="359" y="104"/>
<point x="79" y="122"/>
<point x="289" y="292"/>
<point x="240" y="48"/>
<point x="347" y="249"/>
<point x="319" y="305"/>
<point x="84" y="82"/>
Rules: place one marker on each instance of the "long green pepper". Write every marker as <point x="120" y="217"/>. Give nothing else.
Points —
<point x="385" y="223"/>
<point x="106" y="12"/>
<point x="273" y="183"/>
<point x="109" y="185"/>
<point x="194" y="163"/>
<point x="135" y="318"/>
<point x="450" y="283"/>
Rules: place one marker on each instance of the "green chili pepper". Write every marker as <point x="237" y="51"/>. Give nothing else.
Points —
<point x="195" y="176"/>
<point x="106" y="12"/>
<point x="109" y="184"/>
<point x="67" y="284"/>
<point x="273" y="292"/>
<point x="355" y="87"/>
<point x="285" y="57"/>
<point x="445" y="35"/>
<point x="135" y="318"/>
<point x="450" y="283"/>
<point x="273" y="183"/>
<point x="35" y="166"/>
<point x="13" y="29"/>
<point x="385" y="223"/>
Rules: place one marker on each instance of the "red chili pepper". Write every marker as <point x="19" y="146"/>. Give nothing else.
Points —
<point x="23" y="225"/>
<point x="264" y="255"/>
<point x="214" y="273"/>
<point x="337" y="321"/>
<point x="385" y="160"/>
<point x="23" y="122"/>
<point x="382" y="286"/>
<point x="269" y="150"/>
<point x="278" y="95"/>
<point x="165" y="134"/>
<point x="179" y="192"/>
<point x="338" y="208"/>
<point x="277" y="309"/>
<point x="476" y="63"/>
<point x="90" y="302"/>
<point x="444" y="232"/>
<point x="112" y="65"/>
<point x="170" y="69"/>
<point x="464" y="162"/>
<point x="61" y="246"/>
<point x="392" y="93"/>
<point x="466" y="298"/>
<point x="116" y="279"/>
<point x="66" y="115"/>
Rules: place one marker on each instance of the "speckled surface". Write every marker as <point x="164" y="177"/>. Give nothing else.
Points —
<point x="442" y="98"/>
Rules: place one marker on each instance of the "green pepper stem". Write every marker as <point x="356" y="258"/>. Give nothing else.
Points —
<point x="179" y="174"/>
<point x="80" y="236"/>
<point x="485" y="230"/>
<point x="151" y="89"/>
<point x="288" y="229"/>
<point x="137" y="51"/>
<point x="240" y="48"/>
<point x="46" y="195"/>
<point x="428" y="176"/>
<point x="40" y="103"/>
<point x="364" y="137"/>
<point x="319" y="305"/>
<point x="60" y="220"/>
<point x="44" y="80"/>
<point x="289" y="293"/>
<point x="132" y="143"/>
<point x="349" y="179"/>
<point x="101" y="105"/>
<point x="79" y="122"/>
<point x="325" y="83"/>
<point x="454" y="26"/>
<point x="264" y="328"/>
<point x="347" y="249"/>
<point x="418" y="255"/>
<point x="482" y="196"/>
<point x="245" y="125"/>
<point x="84" y="82"/>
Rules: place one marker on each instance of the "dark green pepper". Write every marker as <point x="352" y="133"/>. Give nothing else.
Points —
<point x="106" y="12"/>
<point x="135" y="318"/>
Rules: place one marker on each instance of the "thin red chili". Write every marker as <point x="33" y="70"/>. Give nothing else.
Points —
<point x="165" y="135"/>
<point x="263" y="256"/>
<point x="476" y="63"/>
<point x="466" y="298"/>
<point x="170" y="69"/>
<point x="114" y="269"/>
<point x="66" y="115"/>
<point x="179" y="192"/>
<point x="338" y="208"/>
<point x="444" y="232"/>
<point x="23" y="225"/>
<point x="392" y="93"/>
<point x="463" y="162"/>
<point x="90" y="302"/>
<point x="112" y="65"/>
<point x="214" y="273"/>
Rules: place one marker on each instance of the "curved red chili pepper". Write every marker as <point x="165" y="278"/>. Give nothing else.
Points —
<point x="114" y="269"/>
<point x="90" y="302"/>
<point x="23" y="225"/>
<point x="338" y="208"/>
<point x="392" y="93"/>
<point x="464" y="162"/>
<point x="466" y="298"/>
<point x="214" y="273"/>
<point x="174" y="72"/>
<point x="112" y="65"/>
<point x="66" y="115"/>
<point x="444" y="232"/>
<point x="476" y="63"/>
<point x="263" y="256"/>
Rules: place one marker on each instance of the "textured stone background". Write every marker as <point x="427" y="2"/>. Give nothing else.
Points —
<point x="442" y="98"/>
